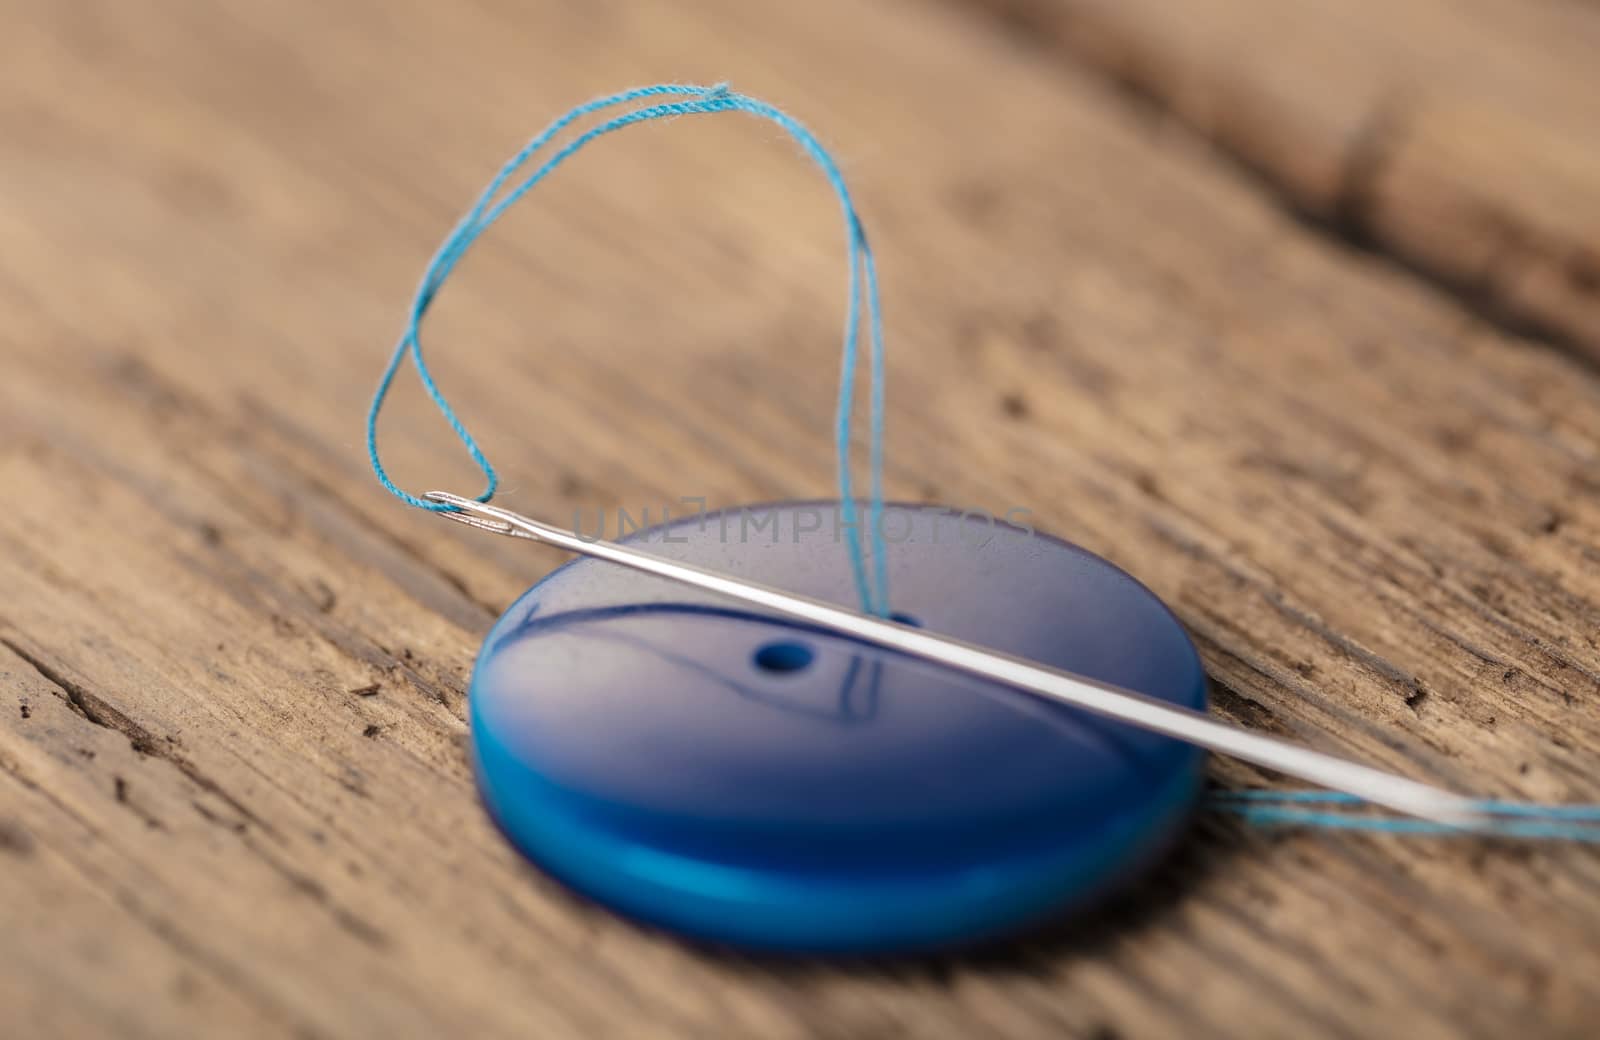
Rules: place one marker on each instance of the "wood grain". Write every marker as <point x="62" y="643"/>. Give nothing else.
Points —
<point x="1458" y="137"/>
<point x="233" y="794"/>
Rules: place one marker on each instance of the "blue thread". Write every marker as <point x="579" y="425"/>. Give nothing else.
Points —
<point x="1519" y="819"/>
<point x="1264" y="814"/>
<point x="862" y="279"/>
<point x="1490" y="806"/>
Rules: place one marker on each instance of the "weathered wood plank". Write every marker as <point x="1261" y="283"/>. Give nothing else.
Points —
<point x="236" y="802"/>
<point x="1460" y="137"/>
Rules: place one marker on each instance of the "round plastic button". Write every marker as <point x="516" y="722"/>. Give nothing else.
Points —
<point x="741" y="778"/>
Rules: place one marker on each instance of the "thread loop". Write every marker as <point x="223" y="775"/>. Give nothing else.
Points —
<point x="863" y="291"/>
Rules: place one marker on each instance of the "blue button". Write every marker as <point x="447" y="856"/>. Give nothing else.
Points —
<point x="745" y="779"/>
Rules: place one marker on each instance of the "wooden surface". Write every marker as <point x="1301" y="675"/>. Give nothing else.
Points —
<point x="1458" y="136"/>
<point x="233" y="793"/>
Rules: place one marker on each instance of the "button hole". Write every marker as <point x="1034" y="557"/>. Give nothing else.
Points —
<point x="783" y="657"/>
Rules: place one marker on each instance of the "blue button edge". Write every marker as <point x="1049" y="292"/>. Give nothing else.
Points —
<point x="817" y="914"/>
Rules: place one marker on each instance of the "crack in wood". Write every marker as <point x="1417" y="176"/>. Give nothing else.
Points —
<point x="89" y="706"/>
<point x="96" y="710"/>
<point x="1365" y="160"/>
